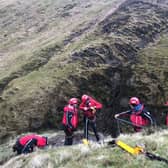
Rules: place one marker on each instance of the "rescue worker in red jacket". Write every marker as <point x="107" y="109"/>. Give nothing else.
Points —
<point x="70" y="120"/>
<point x="26" y="144"/>
<point x="139" y="116"/>
<point x="89" y="107"/>
<point x="166" y="104"/>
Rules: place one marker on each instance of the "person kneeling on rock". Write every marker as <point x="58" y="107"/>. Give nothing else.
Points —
<point x="26" y="144"/>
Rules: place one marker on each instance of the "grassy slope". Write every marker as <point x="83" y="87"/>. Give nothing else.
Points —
<point x="27" y="19"/>
<point x="28" y="55"/>
<point x="152" y="64"/>
<point x="96" y="155"/>
<point x="30" y="85"/>
<point x="24" y="95"/>
<point x="34" y="54"/>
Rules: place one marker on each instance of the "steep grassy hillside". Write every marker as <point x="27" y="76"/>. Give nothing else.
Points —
<point x="36" y="41"/>
<point x="52" y="50"/>
<point x="96" y="155"/>
<point x="152" y="63"/>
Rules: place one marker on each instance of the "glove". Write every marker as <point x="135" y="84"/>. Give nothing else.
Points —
<point x="93" y="109"/>
<point x="116" y="115"/>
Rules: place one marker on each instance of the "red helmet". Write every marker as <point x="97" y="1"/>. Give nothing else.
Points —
<point x="85" y="97"/>
<point x="134" y="100"/>
<point x="73" y="101"/>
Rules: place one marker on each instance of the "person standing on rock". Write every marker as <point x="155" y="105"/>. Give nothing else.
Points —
<point x="89" y="107"/>
<point x="26" y="144"/>
<point x="139" y="116"/>
<point x="70" y="120"/>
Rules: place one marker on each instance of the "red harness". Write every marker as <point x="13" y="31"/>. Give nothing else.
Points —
<point x="74" y="120"/>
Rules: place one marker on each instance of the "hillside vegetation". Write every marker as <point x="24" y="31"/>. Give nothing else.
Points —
<point x="95" y="155"/>
<point x="51" y="50"/>
<point x="37" y="40"/>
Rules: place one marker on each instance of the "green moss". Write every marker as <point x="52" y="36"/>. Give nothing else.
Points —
<point x="152" y="62"/>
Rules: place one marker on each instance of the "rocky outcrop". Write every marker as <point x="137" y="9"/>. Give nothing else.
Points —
<point x="126" y="34"/>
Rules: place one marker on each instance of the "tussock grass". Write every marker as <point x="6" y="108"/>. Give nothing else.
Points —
<point x="37" y="75"/>
<point x="97" y="155"/>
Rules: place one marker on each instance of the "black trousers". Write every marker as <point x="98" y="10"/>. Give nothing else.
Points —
<point x="18" y="147"/>
<point x="27" y="148"/>
<point x="68" y="136"/>
<point x="92" y="123"/>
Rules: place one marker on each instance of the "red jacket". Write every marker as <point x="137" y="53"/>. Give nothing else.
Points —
<point x="139" y="118"/>
<point x="41" y="141"/>
<point x="70" y="117"/>
<point x="86" y="107"/>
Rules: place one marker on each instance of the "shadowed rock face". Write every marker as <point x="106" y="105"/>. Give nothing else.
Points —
<point x="134" y="26"/>
<point x="111" y="62"/>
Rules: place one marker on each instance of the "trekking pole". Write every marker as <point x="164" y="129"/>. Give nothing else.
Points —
<point x="85" y="140"/>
